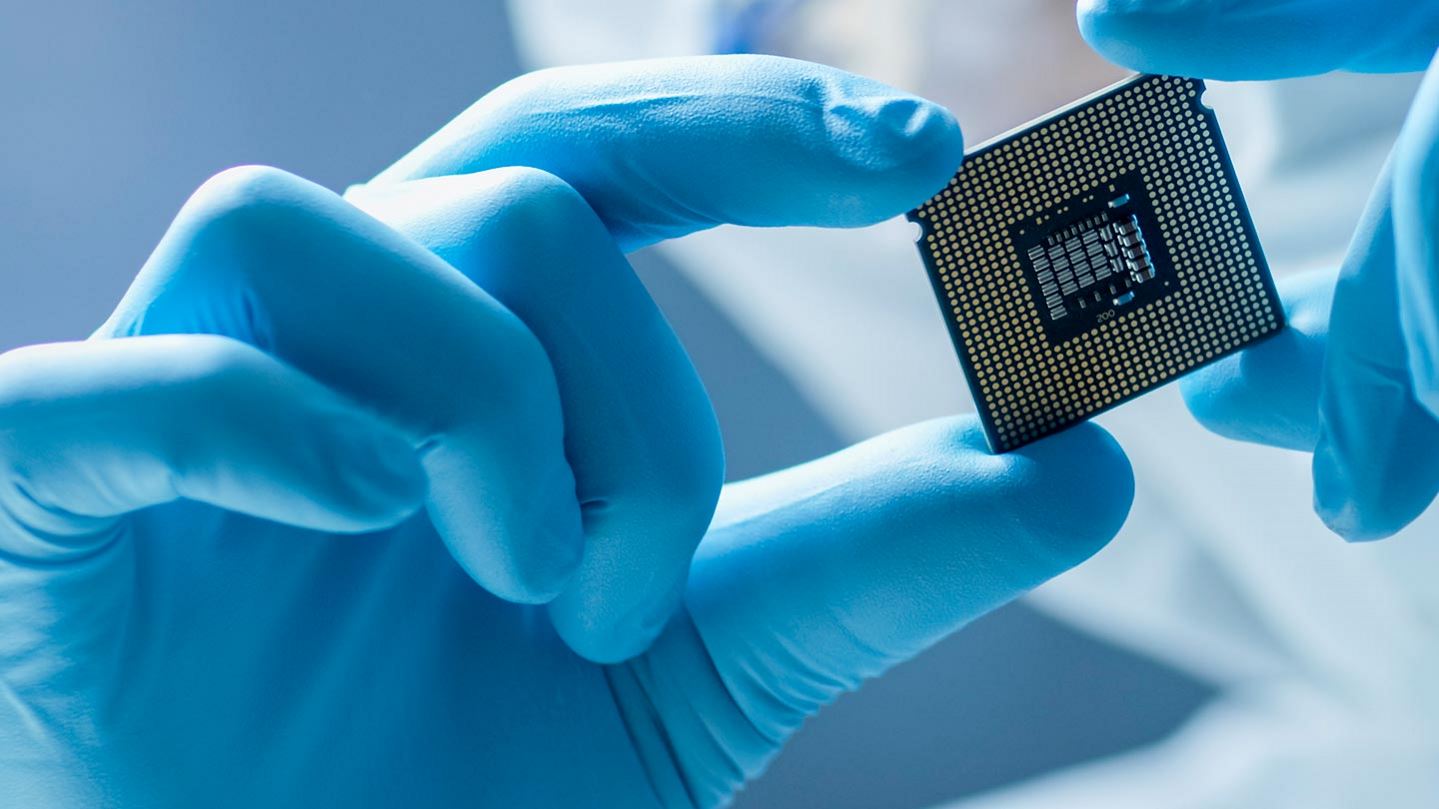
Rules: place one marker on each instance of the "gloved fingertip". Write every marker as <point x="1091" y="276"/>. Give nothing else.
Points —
<point x="935" y="142"/>
<point x="1348" y="521"/>
<point x="908" y="130"/>
<point x="1343" y="507"/>
<point x="616" y="642"/>
<point x="1376" y="463"/>
<point x="523" y="544"/>
<point x="1265" y="395"/>
<point x="608" y="650"/>
<point x="1119" y="30"/>
<point x="1209" y="395"/>
<point x="903" y="147"/>
<point x="1268" y="393"/>
<point x="1088" y="488"/>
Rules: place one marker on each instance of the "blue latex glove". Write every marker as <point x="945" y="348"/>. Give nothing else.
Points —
<point x="214" y="587"/>
<point x="1356" y="378"/>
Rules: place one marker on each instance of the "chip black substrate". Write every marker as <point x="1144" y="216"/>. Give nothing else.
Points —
<point x="1093" y="255"/>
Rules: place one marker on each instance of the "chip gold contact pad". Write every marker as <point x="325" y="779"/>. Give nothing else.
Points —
<point x="1093" y="255"/>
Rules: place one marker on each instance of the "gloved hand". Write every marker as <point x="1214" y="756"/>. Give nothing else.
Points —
<point x="214" y="587"/>
<point x="1355" y="380"/>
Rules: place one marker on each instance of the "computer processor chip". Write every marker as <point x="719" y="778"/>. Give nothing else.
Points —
<point x="1093" y="255"/>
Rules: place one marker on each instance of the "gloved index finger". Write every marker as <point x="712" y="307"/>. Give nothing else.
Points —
<point x="1262" y="39"/>
<point x="661" y="148"/>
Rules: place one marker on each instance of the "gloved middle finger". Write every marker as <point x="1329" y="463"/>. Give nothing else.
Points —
<point x="640" y="433"/>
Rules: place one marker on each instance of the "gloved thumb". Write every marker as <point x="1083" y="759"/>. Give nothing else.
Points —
<point x="818" y="577"/>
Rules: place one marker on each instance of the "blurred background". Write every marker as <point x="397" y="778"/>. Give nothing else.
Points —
<point x="113" y="113"/>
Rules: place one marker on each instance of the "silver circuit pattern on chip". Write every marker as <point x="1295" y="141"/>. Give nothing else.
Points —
<point x="1093" y="255"/>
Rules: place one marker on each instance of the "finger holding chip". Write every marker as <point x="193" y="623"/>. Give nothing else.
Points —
<point x="609" y="164"/>
<point x="661" y="148"/>
<point x="1366" y="362"/>
<point x="1269" y="393"/>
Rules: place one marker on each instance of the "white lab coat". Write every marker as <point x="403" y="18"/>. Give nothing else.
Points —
<point x="1326" y="655"/>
